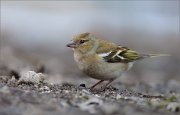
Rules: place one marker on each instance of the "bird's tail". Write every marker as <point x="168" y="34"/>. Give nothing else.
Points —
<point x="143" y="56"/>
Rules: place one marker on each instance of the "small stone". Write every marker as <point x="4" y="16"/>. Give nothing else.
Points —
<point x="31" y="77"/>
<point x="82" y="85"/>
<point x="173" y="106"/>
<point x="45" y="89"/>
<point x="4" y="90"/>
<point x="86" y="91"/>
<point x="119" y="97"/>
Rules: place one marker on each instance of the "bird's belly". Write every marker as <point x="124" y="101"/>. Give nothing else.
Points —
<point x="106" y="71"/>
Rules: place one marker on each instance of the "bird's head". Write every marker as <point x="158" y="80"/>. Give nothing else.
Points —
<point x="83" y="42"/>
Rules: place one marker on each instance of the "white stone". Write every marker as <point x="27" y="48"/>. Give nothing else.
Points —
<point x="32" y="77"/>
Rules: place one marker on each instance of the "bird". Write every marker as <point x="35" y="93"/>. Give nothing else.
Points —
<point x="102" y="59"/>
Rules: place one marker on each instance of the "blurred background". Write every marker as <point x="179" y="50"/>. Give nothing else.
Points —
<point x="34" y="35"/>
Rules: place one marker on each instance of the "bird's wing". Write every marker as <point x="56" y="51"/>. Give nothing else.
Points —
<point x="113" y="53"/>
<point x="120" y="54"/>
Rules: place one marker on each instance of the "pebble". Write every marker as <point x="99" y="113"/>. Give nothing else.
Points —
<point x="82" y="85"/>
<point x="173" y="106"/>
<point x="31" y="77"/>
<point x="45" y="89"/>
<point x="5" y="90"/>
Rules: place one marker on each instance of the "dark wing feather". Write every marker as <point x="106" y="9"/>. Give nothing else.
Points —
<point x="122" y="54"/>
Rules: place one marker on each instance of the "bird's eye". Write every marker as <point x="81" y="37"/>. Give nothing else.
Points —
<point x="82" y="41"/>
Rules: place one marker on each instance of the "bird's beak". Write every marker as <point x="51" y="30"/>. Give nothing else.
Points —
<point x="72" y="44"/>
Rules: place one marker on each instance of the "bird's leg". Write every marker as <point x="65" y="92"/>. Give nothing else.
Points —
<point x="104" y="87"/>
<point x="92" y="87"/>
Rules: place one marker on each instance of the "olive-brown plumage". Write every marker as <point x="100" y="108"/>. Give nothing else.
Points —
<point x="102" y="59"/>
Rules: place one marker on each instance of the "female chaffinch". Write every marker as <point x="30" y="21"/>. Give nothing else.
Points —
<point x="103" y="60"/>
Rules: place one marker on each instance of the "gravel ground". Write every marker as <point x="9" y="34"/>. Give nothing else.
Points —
<point x="40" y="97"/>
